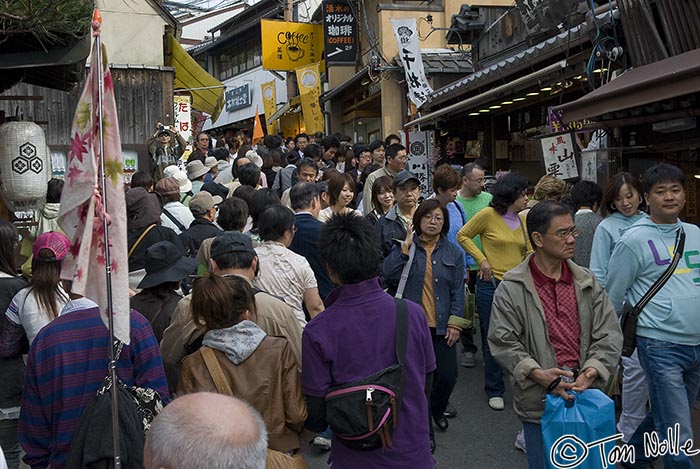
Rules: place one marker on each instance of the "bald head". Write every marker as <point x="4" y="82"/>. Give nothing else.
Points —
<point x="206" y="430"/>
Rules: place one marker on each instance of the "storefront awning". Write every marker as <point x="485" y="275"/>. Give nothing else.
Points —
<point x="295" y="101"/>
<point x="658" y="81"/>
<point x="207" y="92"/>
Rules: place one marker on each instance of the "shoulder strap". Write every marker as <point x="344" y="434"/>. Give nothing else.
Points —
<point x="522" y="228"/>
<point x="172" y="218"/>
<point x="461" y="212"/>
<point x="401" y="329"/>
<point x="405" y="271"/>
<point x="138" y="241"/>
<point x="217" y="374"/>
<point x="661" y="281"/>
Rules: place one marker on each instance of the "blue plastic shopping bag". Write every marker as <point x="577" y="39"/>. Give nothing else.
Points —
<point x="572" y="430"/>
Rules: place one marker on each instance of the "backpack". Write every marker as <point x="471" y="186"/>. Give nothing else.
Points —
<point x="92" y="444"/>
<point x="364" y="413"/>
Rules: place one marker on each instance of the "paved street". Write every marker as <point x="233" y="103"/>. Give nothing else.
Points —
<point x="477" y="438"/>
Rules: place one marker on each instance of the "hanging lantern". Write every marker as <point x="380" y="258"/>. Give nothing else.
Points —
<point x="24" y="165"/>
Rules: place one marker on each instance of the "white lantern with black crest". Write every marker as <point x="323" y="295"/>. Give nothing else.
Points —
<point x="24" y="165"/>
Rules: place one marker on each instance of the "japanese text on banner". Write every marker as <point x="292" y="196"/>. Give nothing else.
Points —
<point x="183" y="117"/>
<point x="406" y="34"/>
<point x="309" y="80"/>
<point x="269" y="98"/>
<point x="559" y="157"/>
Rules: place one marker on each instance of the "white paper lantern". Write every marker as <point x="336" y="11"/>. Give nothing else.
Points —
<point x="24" y="165"/>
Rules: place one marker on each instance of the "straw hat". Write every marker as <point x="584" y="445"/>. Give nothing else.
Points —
<point x="196" y="169"/>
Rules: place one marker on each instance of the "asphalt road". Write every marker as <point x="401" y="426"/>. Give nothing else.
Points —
<point x="478" y="437"/>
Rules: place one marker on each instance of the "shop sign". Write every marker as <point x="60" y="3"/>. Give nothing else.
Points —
<point x="419" y="148"/>
<point x="691" y="196"/>
<point x="309" y="81"/>
<point x="589" y="165"/>
<point x="556" y="125"/>
<point x="340" y="33"/>
<point x="559" y="156"/>
<point x="269" y="98"/>
<point x="238" y="98"/>
<point x="406" y="34"/>
<point x="287" y="45"/>
<point x="183" y="116"/>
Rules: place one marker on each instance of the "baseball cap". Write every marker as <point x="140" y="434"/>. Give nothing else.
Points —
<point x="403" y="177"/>
<point x="204" y="201"/>
<point x="230" y="241"/>
<point x="56" y="242"/>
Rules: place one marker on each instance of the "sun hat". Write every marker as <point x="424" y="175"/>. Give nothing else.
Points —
<point x="169" y="171"/>
<point x="168" y="186"/>
<point x="165" y="263"/>
<point x="181" y="178"/>
<point x="253" y="156"/>
<point x="210" y="162"/>
<point x="196" y="169"/>
<point x="230" y="241"/>
<point x="56" y="242"/>
<point x="203" y="201"/>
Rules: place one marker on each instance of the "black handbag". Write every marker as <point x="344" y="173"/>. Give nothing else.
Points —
<point x="630" y="314"/>
<point x="364" y="413"/>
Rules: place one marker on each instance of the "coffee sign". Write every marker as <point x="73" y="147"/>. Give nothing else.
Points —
<point x="340" y="33"/>
<point x="287" y="45"/>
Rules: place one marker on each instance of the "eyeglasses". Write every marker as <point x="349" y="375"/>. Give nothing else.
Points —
<point x="434" y="218"/>
<point x="565" y="233"/>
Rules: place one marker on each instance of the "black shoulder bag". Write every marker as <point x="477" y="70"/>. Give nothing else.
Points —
<point x="630" y="314"/>
<point x="364" y="413"/>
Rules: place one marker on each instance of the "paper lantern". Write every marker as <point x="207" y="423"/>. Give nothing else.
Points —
<point x="24" y="165"/>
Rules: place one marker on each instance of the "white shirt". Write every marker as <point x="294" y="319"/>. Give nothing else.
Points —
<point x="286" y="274"/>
<point x="181" y="214"/>
<point x="24" y="310"/>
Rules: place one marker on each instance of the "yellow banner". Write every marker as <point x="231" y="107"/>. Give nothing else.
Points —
<point x="269" y="98"/>
<point x="309" y="81"/>
<point x="287" y="45"/>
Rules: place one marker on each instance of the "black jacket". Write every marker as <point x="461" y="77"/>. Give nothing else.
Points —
<point x="137" y="260"/>
<point x="305" y="243"/>
<point x="12" y="368"/>
<point x="199" y="230"/>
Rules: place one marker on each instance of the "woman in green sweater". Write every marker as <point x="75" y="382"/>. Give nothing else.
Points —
<point x="505" y="245"/>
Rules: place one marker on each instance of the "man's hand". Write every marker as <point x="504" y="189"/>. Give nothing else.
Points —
<point x="585" y="379"/>
<point x="452" y="336"/>
<point x="546" y="377"/>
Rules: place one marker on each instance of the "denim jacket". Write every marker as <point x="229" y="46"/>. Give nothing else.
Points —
<point x="448" y="279"/>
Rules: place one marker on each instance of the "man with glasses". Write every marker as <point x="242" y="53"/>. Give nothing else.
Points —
<point x="553" y="328"/>
<point x="473" y="198"/>
<point x="396" y="159"/>
<point x="201" y="148"/>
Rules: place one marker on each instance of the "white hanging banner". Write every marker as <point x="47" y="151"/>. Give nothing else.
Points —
<point x="559" y="157"/>
<point x="406" y="34"/>
<point x="419" y="148"/>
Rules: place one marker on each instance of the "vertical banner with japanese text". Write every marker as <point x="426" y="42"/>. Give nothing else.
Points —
<point x="269" y="98"/>
<point x="183" y="116"/>
<point x="559" y="157"/>
<point x="309" y="80"/>
<point x="419" y="148"/>
<point x="339" y="32"/>
<point x="406" y="34"/>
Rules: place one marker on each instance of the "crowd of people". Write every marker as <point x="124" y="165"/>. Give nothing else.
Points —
<point x="262" y="277"/>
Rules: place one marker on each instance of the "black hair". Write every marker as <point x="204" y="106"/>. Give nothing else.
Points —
<point x="374" y="144"/>
<point x="507" y="190"/>
<point x="302" y="194"/>
<point x="220" y="153"/>
<point x="612" y="190"/>
<point x="8" y="241"/>
<point x="369" y="169"/>
<point x="235" y="260"/>
<point x="272" y="141"/>
<point x="274" y="221"/>
<point x="322" y="187"/>
<point x="391" y="137"/>
<point x="540" y="217"/>
<point x="54" y="188"/>
<point x="586" y="194"/>
<point x="392" y="150"/>
<point x="141" y="179"/>
<point x="301" y="135"/>
<point x="262" y="199"/>
<point x="313" y="151"/>
<point x="309" y="163"/>
<point x="233" y="214"/>
<point x="424" y="210"/>
<point x="245" y="193"/>
<point x="249" y="175"/>
<point x="360" y="256"/>
<point x="330" y="142"/>
<point x="662" y="172"/>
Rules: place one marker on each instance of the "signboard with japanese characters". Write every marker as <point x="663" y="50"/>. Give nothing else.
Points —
<point x="183" y="116"/>
<point x="406" y="34"/>
<point x="339" y="33"/>
<point x="419" y="148"/>
<point x="589" y="166"/>
<point x="559" y="157"/>
<point x="691" y="196"/>
<point x="309" y="80"/>
<point x="269" y="97"/>
<point x="238" y="98"/>
<point x="287" y="45"/>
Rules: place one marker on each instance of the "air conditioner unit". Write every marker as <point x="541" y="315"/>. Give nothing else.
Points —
<point x="675" y="125"/>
